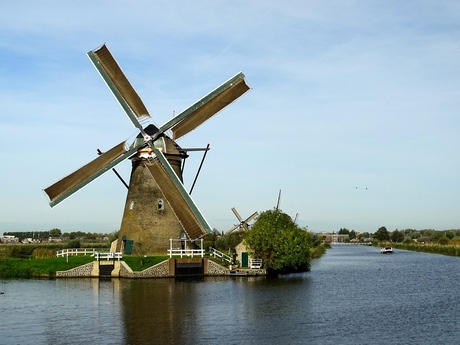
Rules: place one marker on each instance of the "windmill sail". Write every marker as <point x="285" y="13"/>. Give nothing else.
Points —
<point x="191" y="218"/>
<point x="206" y="107"/>
<point x="120" y="86"/>
<point x="243" y="224"/>
<point x="89" y="172"/>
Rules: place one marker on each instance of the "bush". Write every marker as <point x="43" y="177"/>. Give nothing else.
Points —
<point x="74" y="244"/>
<point x="443" y="240"/>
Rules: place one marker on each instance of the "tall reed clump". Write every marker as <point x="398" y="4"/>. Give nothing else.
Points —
<point x="43" y="253"/>
<point x="450" y="250"/>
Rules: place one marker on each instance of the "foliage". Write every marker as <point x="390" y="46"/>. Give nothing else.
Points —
<point x="397" y="236"/>
<point x="382" y="234"/>
<point x="443" y="240"/>
<point x="209" y="240"/>
<point x="43" y="253"/>
<point x="430" y="248"/>
<point x="55" y="232"/>
<point x="74" y="244"/>
<point x="344" y="231"/>
<point x="228" y="242"/>
<point x="26" y="250"/>
<point x="283" y="246"/>
<point x="352" y="235"/>
<point x="455" y="241"/>
<point x="317" y="252"/>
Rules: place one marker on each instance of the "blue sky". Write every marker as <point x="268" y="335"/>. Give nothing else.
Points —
<point x="353" y="111"/>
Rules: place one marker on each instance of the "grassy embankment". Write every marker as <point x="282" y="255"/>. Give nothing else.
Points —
<point x="444" y="249"/>
<point x="27" y="261"/>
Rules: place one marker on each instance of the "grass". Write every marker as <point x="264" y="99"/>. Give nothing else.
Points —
<point x="137" y="263"/>
<point x="11" y="267"/>
<point x="36" y="268"/>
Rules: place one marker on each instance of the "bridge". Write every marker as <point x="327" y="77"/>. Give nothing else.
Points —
<point x="351" y="243"/>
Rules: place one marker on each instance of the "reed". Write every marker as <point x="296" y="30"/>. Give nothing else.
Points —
<point x="450" y="250"/>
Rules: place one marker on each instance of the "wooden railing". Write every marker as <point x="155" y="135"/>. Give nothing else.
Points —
<point x="185" y="252"/>
<point x="75" y="252"/>
<point x="255" y="263"/>
<point x="224" y="257"/>
<point x="89" y="251"/>
<point x="108" y="255"/>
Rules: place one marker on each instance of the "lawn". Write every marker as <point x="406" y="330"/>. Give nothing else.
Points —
<point x="35" y="268"/>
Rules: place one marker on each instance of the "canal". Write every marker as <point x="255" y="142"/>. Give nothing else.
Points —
<point x="352" y="295"/>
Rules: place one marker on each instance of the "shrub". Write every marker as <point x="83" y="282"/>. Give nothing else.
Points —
<point x="74" y="244"/>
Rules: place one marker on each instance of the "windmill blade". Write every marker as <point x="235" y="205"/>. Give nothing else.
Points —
<point x="72" y="183"/>
<point x="206" y="107"/>
<point x="119" y="85"/>
<point x="232" y="229"/>
<point x="237" y="214"/>
<point x="192" y="220"/>
<point x="251" y="217"/>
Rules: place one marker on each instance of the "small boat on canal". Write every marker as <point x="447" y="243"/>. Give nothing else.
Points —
<point x="386" y="250"/>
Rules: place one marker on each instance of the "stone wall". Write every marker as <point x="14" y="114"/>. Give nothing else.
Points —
<point x="164" y="269"/>
<point x="78" y="272"/>
<point x="215" y="269"/>
<point x="160" y="270"/>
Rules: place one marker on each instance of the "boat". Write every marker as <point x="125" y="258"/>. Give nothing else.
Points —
<point x="386" y="250"/>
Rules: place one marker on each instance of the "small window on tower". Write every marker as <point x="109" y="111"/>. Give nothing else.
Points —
<point x="131" y="205"/>
<point x="160" y="205"/>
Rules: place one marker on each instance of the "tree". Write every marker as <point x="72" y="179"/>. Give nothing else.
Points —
<point x="344" y="231"/>
<point x="352" y="234"/>
<point x="55" y="232"/>
<point x="397" y="236"/>
<point x="382" y="234"/>
<point x="283" y="246"/>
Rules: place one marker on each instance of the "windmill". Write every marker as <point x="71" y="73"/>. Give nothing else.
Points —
<point x="243" y="224"/>
<point x="157" y="205"/>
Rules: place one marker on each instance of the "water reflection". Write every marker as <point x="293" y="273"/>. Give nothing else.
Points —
<point x="216" y="309"/>
<point x="339" y="302"/>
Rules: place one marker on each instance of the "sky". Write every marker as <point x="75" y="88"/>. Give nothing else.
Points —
<point x="353" y="112"/>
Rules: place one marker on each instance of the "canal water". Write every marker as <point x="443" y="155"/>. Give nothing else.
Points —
<point x="352" y="295"/>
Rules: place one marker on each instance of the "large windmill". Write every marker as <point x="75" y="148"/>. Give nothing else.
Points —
<point x="157" y="206"/>
<point x="243" y="224"/>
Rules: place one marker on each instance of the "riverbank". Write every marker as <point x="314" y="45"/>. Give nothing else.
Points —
<point x="36" y="267"/>
<point x="443" y="249"/>
<point x="46" y="268"/>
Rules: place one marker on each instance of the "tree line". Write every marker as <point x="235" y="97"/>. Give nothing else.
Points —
<point x="451" y="236"/>
<point x="57" y="233"/>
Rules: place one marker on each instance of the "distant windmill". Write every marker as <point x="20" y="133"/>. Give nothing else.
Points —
<point x="243" y="224"/>
<point x="157" y="205"/>
<point x="278" y="202"/>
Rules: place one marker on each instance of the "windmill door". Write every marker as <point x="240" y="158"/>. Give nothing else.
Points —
<point x="244" y="259"/>
<point x="129" y="247"/>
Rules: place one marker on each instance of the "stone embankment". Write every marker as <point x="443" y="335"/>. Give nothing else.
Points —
<point x="165" y="269"/>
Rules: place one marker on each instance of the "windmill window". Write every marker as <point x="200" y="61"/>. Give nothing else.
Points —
<point x="160" y="205"/>
<point x="131" y="205"/>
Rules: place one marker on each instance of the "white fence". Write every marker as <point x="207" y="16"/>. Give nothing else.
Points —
<point x="255" y="263"/>
<point x="180" y="251"/>
<point x="185" y="252"/>
<point x="108" y="255"/>
<point x="224" y="257"/>
<point x="75" y="252"/>
<point x="89" y="251"/>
